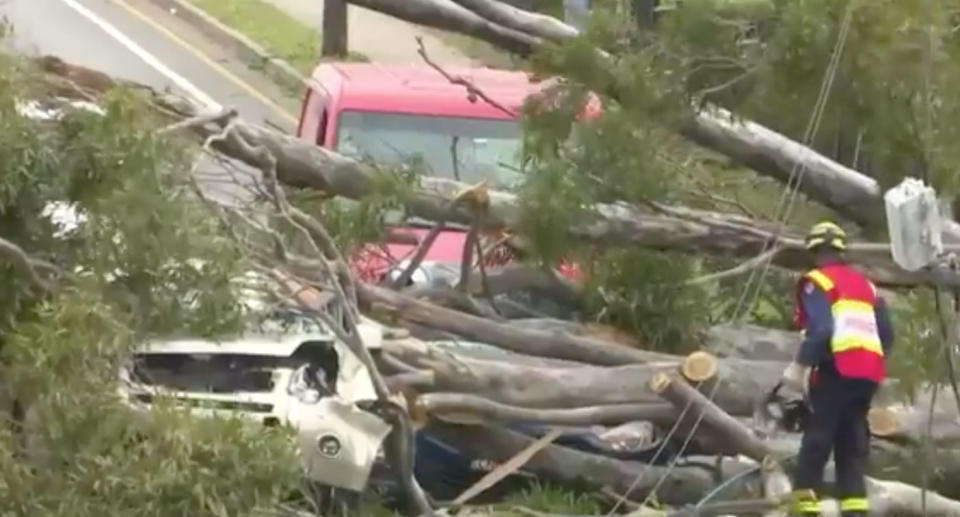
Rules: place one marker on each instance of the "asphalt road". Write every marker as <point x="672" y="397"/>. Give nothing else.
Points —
<point x="134" y="40"/>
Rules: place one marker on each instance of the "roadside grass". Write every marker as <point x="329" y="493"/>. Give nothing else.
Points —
<point x="539" y="497"/>
<point x="278" y="32"/>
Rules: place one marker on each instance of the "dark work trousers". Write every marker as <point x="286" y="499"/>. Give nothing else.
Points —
<point x="838" y="424"/>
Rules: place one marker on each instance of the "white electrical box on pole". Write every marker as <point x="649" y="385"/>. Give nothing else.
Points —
<point x="914" y="223"/>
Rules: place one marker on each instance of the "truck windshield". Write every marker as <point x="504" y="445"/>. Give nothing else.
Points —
<point x="464" y="149"/>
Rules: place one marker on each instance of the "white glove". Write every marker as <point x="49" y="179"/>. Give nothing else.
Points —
<point x="797" y="377"/>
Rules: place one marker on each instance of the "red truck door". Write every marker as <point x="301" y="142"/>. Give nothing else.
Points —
<point x="314" y="116"/>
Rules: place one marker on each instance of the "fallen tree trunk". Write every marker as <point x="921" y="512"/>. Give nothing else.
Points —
<point x="893" y="498"/>
<point x="852" y="194"/>
<point x="527" y="382"/>
<point x="575" y="468"/>
<point x="910" y="424"/>
<point x="487" y="410"/>
<point x="541" y="387"/>
<point x="752" y="342"/>
<point x="742" y="341"/>
<point x="699" y="410"/>
<point x="518" y="277"/>
<point x="856" y="196"/>
<point x="579" y="329"/>
<point x="446" y="15"/>
<point x="529" y="386"/>
<point x="558" y="345"/>
<point x="302" y="164"/>
<point x="720" y="428"/>
<point x="887" y="499"/>
<point x="527" y="22"/>
<point x="888" y="460"/>
<point x="909" y="463"/>
<point x="729" y="436"/>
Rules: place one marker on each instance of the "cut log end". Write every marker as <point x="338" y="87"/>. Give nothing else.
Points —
<point x="883" y="421"/>
<point x="660" y="382"/>
<point x="699" y="366"/>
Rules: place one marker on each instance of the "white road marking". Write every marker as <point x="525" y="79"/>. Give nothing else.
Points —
<point x="145" y="55"/>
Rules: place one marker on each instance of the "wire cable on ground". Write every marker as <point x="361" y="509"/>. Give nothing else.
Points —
<point x="733" y="479"/>
<point x="683" y="447"/>
<point x="656" y="455"/>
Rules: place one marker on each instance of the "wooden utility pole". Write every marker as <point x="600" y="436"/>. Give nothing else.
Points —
<point x="334" y="28"/>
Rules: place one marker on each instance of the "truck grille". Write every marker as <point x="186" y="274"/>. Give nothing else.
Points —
<point x="253" y="407"/>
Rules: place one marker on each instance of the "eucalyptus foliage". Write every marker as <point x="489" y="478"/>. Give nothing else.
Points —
<point x="106" y="200"/>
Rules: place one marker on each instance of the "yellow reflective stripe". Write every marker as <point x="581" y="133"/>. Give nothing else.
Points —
<point x="845" y="344"/>
<point x="854" y="327"/>
<point x="848" y="305"/>
<point x="822" y="280"/>
<point x="804" y="502"/>
<point x="806" y="507"/>
<point x="854" y="504"/>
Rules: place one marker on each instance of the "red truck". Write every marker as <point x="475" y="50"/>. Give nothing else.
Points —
<point x="392" y="113"/>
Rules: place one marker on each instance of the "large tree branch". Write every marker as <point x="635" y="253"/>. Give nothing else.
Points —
<point x="444" y="14"/>
<point x="27" y="265"/>
<point x="559" y="345"/>
<point x="854" y="195"/>
<point x="543" y="26"/>
<point x="302" y="164"/>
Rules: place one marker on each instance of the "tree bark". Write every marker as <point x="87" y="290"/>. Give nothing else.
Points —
<point x="575" y="468"/>
<point x="488" y="410"/>
<point x="891" y="498"/>
<point x="887" y="499"/>
<point x="722" y="427"/>
<point x="856" y="196"/>
<point x="852" y="194"/>
<point x="334" y="28"/>
<point x="301" y="164"/>
<point x="909" y="424"/>
<point x="546" y="27"/>
<point x="545" y="387"/>
<point x="888" y="460"/>
<point x="446" y="15"/>
<point x="556" y="345"/>
<point x="752" y="342"/>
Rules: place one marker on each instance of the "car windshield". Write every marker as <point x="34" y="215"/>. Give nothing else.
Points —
<point x="464" y="149"/>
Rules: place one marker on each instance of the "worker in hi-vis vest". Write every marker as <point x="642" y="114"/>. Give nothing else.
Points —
<point x="847" y="337"/>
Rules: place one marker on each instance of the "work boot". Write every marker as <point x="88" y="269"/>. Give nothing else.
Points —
<point x="854" y="507"/>
<point x="804" y="503"/>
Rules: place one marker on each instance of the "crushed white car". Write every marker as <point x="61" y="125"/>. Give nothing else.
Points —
<point x="289" y="372"/>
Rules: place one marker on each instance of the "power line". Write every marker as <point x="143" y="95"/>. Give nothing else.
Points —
<point x="790" y="192"/>
<point x="799" y="169"/>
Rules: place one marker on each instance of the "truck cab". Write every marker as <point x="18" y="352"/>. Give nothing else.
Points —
<point x="393" y="114"/>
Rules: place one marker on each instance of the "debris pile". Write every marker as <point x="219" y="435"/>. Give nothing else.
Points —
<point x="489" y="400"/>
